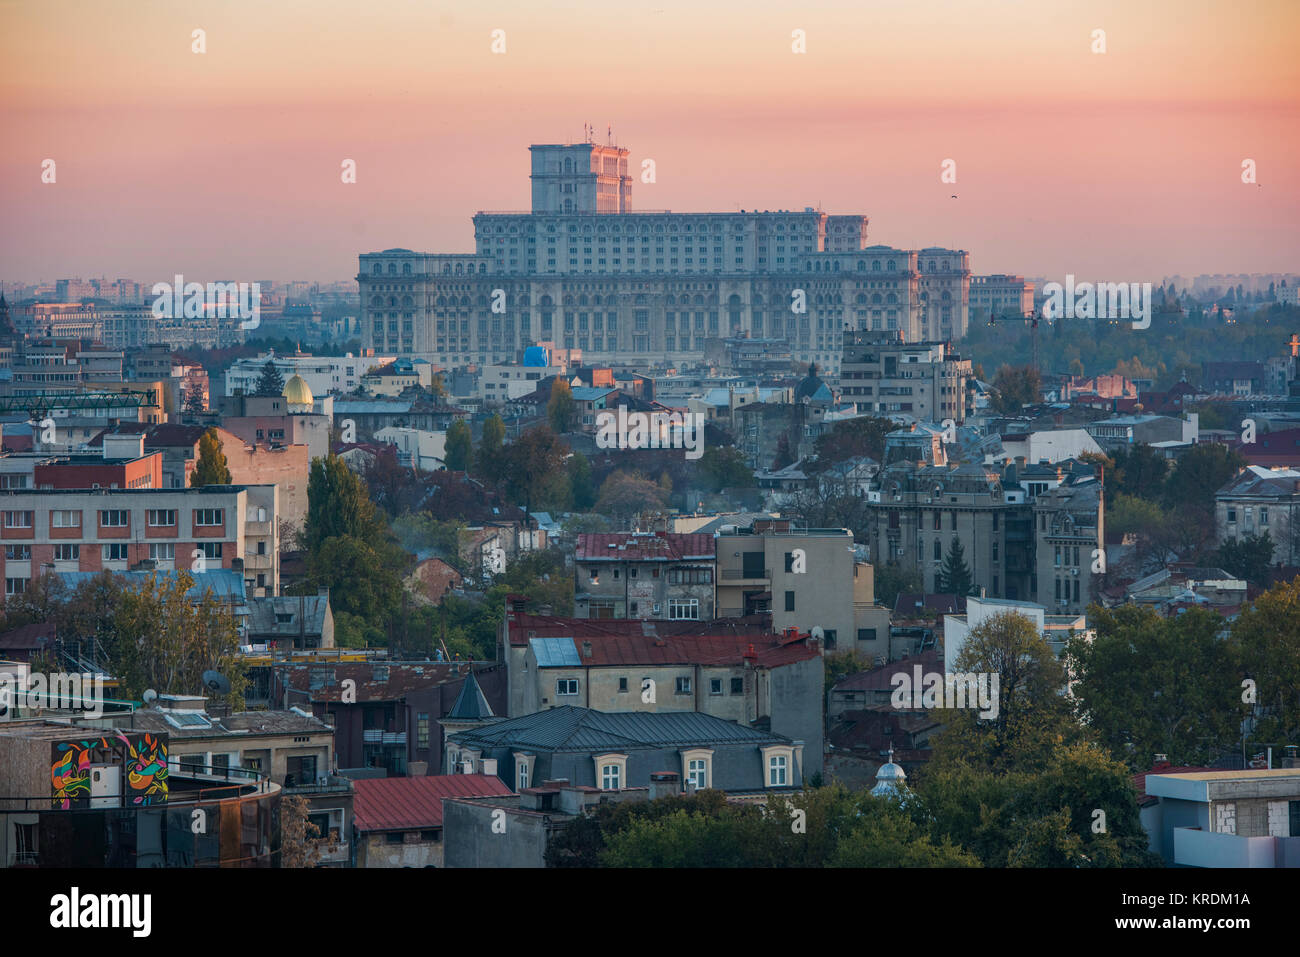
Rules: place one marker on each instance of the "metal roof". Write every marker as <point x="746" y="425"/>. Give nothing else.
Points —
<point x="571" y="728"/>
<point x="554" y="652"/>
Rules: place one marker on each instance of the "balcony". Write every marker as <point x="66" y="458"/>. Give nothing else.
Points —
<point x="738" y="575"/>
<point x="377" y="736"/>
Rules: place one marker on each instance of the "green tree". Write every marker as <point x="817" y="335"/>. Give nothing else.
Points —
<point x="1014" y="387"/>
<point x="892" y="579"/>
<point x="1139" y="470"/>
<point x="534" y="466"/>
<point x="164" y="640"/>
<point x="460" y="447"/>
<point x="581" y="483"/>
<point x="338" y="504"/>
<point x="1201" y="471"/>
<point x="1033" y="717"/>
<point x="954" y="575"/>
<point x="852" y="438"/>
<point x="438" y="386"/>
<point x="724" y="467"/>
<point x="561" y="408"/>
<point x="1268" y="636"/>
<point x="1249" y="558"/>
<point x="1148" y="685"/>
<point x="270" y="382"/>
<point x="211" y="467"/>
<point x="490" y="447"/>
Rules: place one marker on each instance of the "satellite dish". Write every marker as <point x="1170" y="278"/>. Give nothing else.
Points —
<point x="149" y="697"/>
<point x="216" y="682"/>
<point x="817" y="631"/>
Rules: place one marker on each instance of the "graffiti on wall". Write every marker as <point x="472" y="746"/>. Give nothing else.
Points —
<point x="143" y="757"/>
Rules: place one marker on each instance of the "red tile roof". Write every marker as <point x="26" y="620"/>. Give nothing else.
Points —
<point x="632" y="547"/>
<point x="403" y="804"/>
<point x="635" y="642"/>
<point x="881" y="679"/>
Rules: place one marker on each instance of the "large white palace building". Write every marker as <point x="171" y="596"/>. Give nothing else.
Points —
<point x="581" y="270"/>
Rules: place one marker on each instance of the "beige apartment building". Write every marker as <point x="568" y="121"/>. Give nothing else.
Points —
<point x="887" y="376"/>
<point x="807" y="578"/>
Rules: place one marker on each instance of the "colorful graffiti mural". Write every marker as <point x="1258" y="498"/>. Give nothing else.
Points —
<point x="143" y="756"/>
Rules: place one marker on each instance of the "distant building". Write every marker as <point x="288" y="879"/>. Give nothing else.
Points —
<point x="399" y="821"/>
<point x="644" y="575"/>
<point x="922" y="381"/>
<point x="1262" y="501"/>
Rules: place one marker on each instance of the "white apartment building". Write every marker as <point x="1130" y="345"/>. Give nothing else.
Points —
<point x="1000" y="295"/>
<point x="323" y="374"/>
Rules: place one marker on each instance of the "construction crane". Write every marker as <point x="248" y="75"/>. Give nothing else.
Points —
<point x="1033" y="318"/>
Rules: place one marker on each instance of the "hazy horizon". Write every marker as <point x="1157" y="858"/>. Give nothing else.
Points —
<point x="1116" y="166"/>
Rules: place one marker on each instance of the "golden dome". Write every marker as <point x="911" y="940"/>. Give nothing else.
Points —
<point x="296" y="391"/>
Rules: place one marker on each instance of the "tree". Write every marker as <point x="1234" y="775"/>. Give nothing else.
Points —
<point x="1033" y="716"/>
<point x="1138" y="470"/>
<point x="533" y="465"/>
<point x="893" y="579"/>
<point x="1014" y="387"/>
<point x="1148" y="685"/>
<point x="338" y="504"/>
<point x="163" y="639"/>
<point x="460" y="447"/>
<point x="194" y="403"/>
<point x="724" y="467"/>
<point x="853" y="438"/>
<point x="270" y="382"/>
<point x="954" y="575"/>
<point x="1201" y="472"/>
<point x="1267" y="634"/>
<point x="488" y="459"/>
<point x="438" y="386"/>
<point x="561" y="408"/>
<point x="211" y="467"/>
<point x="626" y="495"/>
<point x="581" y="483"/>
<point x="784" y="457"/>
<point x="299" y="837"/>
<point x="1249" y="558"/>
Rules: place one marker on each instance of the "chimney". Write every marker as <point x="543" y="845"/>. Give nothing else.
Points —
<point x="1162" y="760"/>
<point x="663" y="784"/>
<point x="586" y="649"/>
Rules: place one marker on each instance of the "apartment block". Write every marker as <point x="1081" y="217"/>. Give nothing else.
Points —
<point x="91" y="530"/>
<point x="927" y="381"/>
<point x="805" y="578"/>
<point x="657" y="575"/>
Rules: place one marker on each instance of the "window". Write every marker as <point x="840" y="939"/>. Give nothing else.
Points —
<point x="18" y="553"/>
<point x="1232" y="514"/>
<point x="789" y="601"/>
<point x="737" y="685"/>
<point x="566" y="686"/>
<point x="622" y="684"/>
<point x="610" y="777"/>
<point x="193" y="763"/>
<point x="65" y="518"/>
<point x="776" y="770"/>
<point x="113" y="518"/>
<point x="1263" y="516"/>
<point x="715" y="686"/>
<point x="15" y="586"/>
<point x="521" y="774"/>
<point x="422" y="730"/>
<point x="209" y="516"/>
<point x="18" y="519"/>
<point x="211" y="549"/>
<point x="162" y="551"/>
<point x="789" y="563"/>
<point x="67" y="553"/>
<point x="161" y="517"/>
<point x="697" y="775"/>
<point x="684" y="608"/>
<point x="683" y="685"/>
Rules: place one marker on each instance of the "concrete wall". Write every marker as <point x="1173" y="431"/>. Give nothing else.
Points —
<point x="374" y="850"/>
<point x="469" y="839"/>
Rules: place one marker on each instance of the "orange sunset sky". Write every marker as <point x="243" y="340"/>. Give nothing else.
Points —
<point x="1118" y="166"/>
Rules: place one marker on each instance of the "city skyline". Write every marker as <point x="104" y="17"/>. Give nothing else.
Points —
<point x="1096" y="167"/>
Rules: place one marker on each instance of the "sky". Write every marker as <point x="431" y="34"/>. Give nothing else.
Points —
<point x="1114" y="166"/>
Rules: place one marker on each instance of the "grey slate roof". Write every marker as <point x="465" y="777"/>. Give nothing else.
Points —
<point x="571" y="728"/>
<point x="471" y="704"/>
<point x="264" y="615"/>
